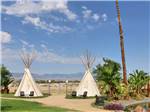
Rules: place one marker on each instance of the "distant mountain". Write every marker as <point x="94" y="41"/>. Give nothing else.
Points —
<point x="73" y="76"/>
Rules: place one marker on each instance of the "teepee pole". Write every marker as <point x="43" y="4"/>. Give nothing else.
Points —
<point x="87" y="60"/>
<point x="27" y="58"/>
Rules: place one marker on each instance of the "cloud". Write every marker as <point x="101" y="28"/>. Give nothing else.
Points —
<point x="87" y="13"/>
<point x="84" y="7"/>
<point x="47" y="56"/>
<point x="32" y="12"/>
<point x="104" y="16"/>
<point x="90" y="15"/>
<point x="26" y="44"/>
<point x="58" y="19"/>
<point x="96" y="17"/>
<point x="37" y="22"/>
<point x="43" y="56"/>
<point x="26" y="7"/>
<point x="9" y="54"/>
<point x="43" y="45"/>
<point x="5" y="37"/>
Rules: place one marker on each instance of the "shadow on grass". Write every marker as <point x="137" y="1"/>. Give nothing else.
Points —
<point x="11" y="95"/>
<point x="78" y="97"/>
<point x="4" y="107"/>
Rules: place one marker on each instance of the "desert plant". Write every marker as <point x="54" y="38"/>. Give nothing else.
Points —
<point x="137" y="80"/>
<point x="109" y="76"/>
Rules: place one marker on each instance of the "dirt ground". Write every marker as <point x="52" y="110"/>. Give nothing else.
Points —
<point x="83" y="105"/>
<point x="58" y="91"/>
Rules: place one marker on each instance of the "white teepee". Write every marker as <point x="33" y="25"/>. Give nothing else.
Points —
<point x="28" y="85"/>
<point x="87" y="83"/>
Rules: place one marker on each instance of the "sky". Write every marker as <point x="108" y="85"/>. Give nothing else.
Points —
<point x="61" y="31"/>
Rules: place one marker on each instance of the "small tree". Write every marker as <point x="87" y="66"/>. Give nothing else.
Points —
<point x="6" y="78"/>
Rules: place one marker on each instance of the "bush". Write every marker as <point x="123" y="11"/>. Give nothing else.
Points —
<point x="114" y="106"/>
<point x="6" y="79"/>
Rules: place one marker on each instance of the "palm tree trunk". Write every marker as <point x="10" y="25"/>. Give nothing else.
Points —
<point x="121" y="44"/>
<point x="148" y="89"/>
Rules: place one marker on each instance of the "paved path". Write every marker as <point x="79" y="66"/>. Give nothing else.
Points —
<point x="83" y="105"/>
<point x="134" y="102"/>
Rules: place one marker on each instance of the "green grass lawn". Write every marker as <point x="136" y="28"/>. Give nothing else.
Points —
<point x="9" y="105"/>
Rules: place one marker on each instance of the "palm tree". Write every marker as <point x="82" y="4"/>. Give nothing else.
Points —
<point x="137" y="80"/>
<point x="109" y="76"/>
<point x="121" y="44"/>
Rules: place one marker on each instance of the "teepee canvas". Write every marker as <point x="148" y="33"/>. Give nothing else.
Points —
<point x="87" y="83"/>
<point x="27" y="86"/>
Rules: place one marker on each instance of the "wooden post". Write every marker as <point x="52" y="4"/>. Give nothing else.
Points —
<point x="49" y="92"/>
<point x="66" y="87"/>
